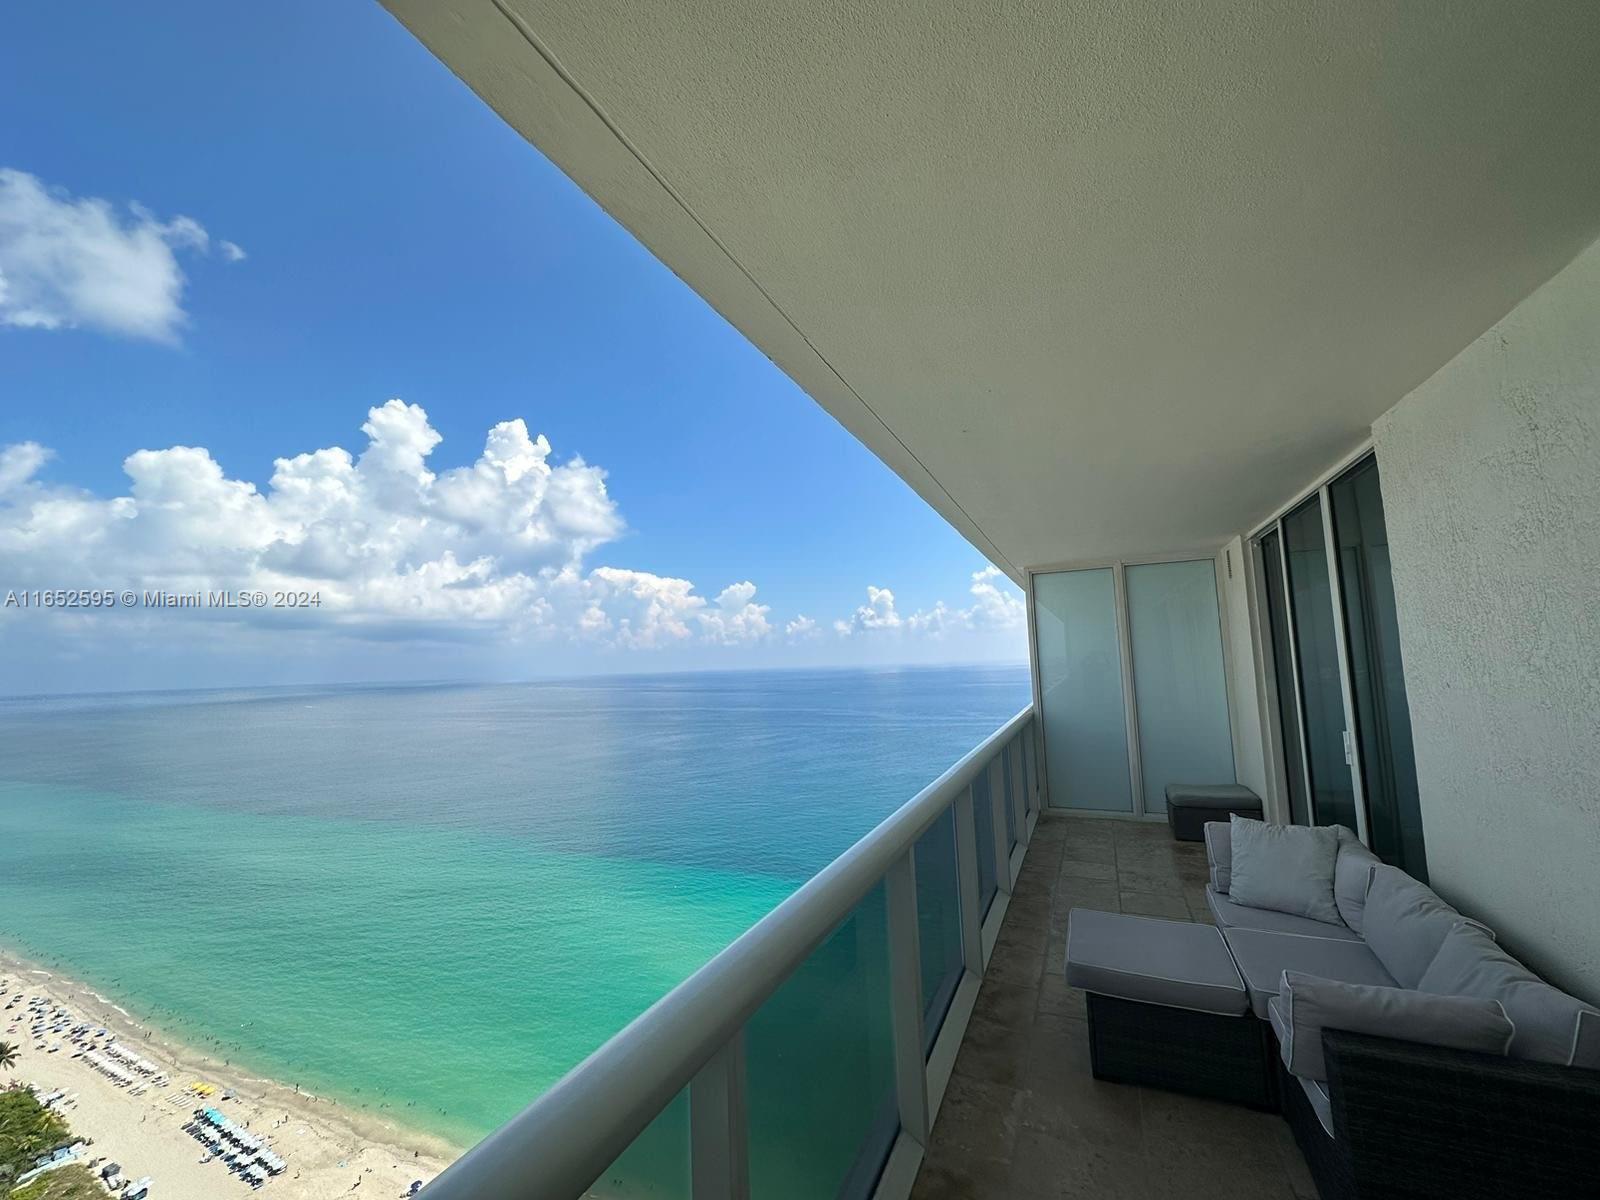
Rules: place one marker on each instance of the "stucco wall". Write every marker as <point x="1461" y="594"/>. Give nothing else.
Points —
<point x="1491" y="483"/>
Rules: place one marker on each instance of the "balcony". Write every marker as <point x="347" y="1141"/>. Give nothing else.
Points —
<point x="810" y="1057"/>
<point x="1022" y="1116"/>
<point x="914" y="985"/>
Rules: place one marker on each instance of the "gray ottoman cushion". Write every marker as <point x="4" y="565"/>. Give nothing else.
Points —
<point x="1263" y="957"/>
<point x="1219" y="797"/>
<point x="1229" y="915"/>
<point x="1172" y="963"/>
<point x="1190" y="806"/>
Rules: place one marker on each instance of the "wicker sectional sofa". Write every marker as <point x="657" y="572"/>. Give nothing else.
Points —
<point x="1403" y="1118"/>
<point x="1411" y="1055"/>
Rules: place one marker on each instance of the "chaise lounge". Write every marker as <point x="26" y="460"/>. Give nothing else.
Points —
<point x="1410" y="1054"/>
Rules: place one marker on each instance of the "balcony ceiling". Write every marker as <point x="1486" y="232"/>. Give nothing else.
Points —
<point x="1095" y="277"/>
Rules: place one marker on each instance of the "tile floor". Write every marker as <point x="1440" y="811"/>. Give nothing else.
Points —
<point x="1023" y="1119"/>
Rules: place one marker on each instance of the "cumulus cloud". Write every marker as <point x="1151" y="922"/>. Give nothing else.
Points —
<point x="802" y="629"/>
<point x="19" y="463"/>
<point x="392" y="548"/>
<point x="999" y="605"/>
<point x="876" y="614"/>
<point x="936" y="621"/>
<point x="497" y="550"/>
<point x="634" y="608"/>
<point x="67" y="262"/>
<point x="736" y="619"/>
<point x="996" y="607"/>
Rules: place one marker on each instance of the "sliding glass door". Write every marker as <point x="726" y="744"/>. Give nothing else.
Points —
<point x="1343" y="718"/>
<point x="1377" y="676"/>
<point x="1132" y="689"/>
<point x="1331" y="785"/>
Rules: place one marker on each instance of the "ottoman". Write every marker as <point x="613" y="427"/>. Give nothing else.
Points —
<point x="1191" y="805"/>
<point x="1167" y="1008"/>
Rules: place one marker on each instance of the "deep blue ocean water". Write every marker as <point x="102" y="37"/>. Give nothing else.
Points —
<point x="434" y="900"/>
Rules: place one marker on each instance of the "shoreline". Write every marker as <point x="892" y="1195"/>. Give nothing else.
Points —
<point x="332" y="1147"/>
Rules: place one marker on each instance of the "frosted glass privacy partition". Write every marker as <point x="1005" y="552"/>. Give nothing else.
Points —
<point x="1178" y="683"/>
<point x="1080" y="690"/>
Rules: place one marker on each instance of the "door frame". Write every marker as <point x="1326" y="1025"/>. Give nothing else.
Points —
<point x="1130" y="704"/>
<point x="1319" y="490"/>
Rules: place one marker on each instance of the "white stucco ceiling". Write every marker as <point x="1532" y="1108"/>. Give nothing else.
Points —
<point x="1096" y="277"/>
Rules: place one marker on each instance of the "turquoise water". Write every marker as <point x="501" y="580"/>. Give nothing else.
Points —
<point x="433" y="901"/>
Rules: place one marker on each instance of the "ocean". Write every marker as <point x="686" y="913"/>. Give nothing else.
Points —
<point x="432" y="901"/>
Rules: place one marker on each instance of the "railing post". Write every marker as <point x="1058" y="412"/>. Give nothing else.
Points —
<point x="719" y="1126"/>
<point x="997" y="804"/>
<point x="905" y="993"/>
<point x="967" y="879"/>
<point x="1022" y="759"/>
<point x="1019" y="787"/>
<point x="1036" y="772"/>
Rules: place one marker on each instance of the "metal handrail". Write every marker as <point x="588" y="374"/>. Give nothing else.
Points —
<point x="564" y="1140"/>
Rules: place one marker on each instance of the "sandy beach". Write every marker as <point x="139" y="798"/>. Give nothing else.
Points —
<point x="331" y="1149"/>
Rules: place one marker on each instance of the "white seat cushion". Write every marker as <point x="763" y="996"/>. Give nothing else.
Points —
<point x="1263" y="957"/>
<point x="1229" y="915"/>
<point x="1317" y="1092"/>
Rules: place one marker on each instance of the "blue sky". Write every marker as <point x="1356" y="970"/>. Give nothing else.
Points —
<point x="398" y="241"/>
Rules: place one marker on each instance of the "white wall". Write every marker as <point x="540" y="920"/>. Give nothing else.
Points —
<point x="1244" y="706"/>
<point x="1491" y="485"/>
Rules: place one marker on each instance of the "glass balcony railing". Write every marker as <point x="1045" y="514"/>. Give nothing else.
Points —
<point x="808" y="1058"/>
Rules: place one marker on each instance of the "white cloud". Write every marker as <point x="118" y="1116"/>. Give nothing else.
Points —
<point x="802" y="629"/>
<point x="496" y="552"/>
<point x="877" y="613"/>
<point x="936" y="621"/>
<point x="999" y="605"/>
<point x="67" y="262"/>
<point x="736" y="619"/>
<point x="996" y="607"/>
<point x="634" y="609"/>
<point x="19" y="463"/>
<point x="232" y="251"/>
<point x="495" y="548"/>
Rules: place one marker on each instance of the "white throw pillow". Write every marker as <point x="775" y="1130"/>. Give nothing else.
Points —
<point x="1287" y="868"/>
<point x="1351" y="875"/>
<point x="1306" y="1005"/>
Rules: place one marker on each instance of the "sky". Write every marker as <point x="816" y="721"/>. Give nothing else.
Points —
<point x="285" y="310"/>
